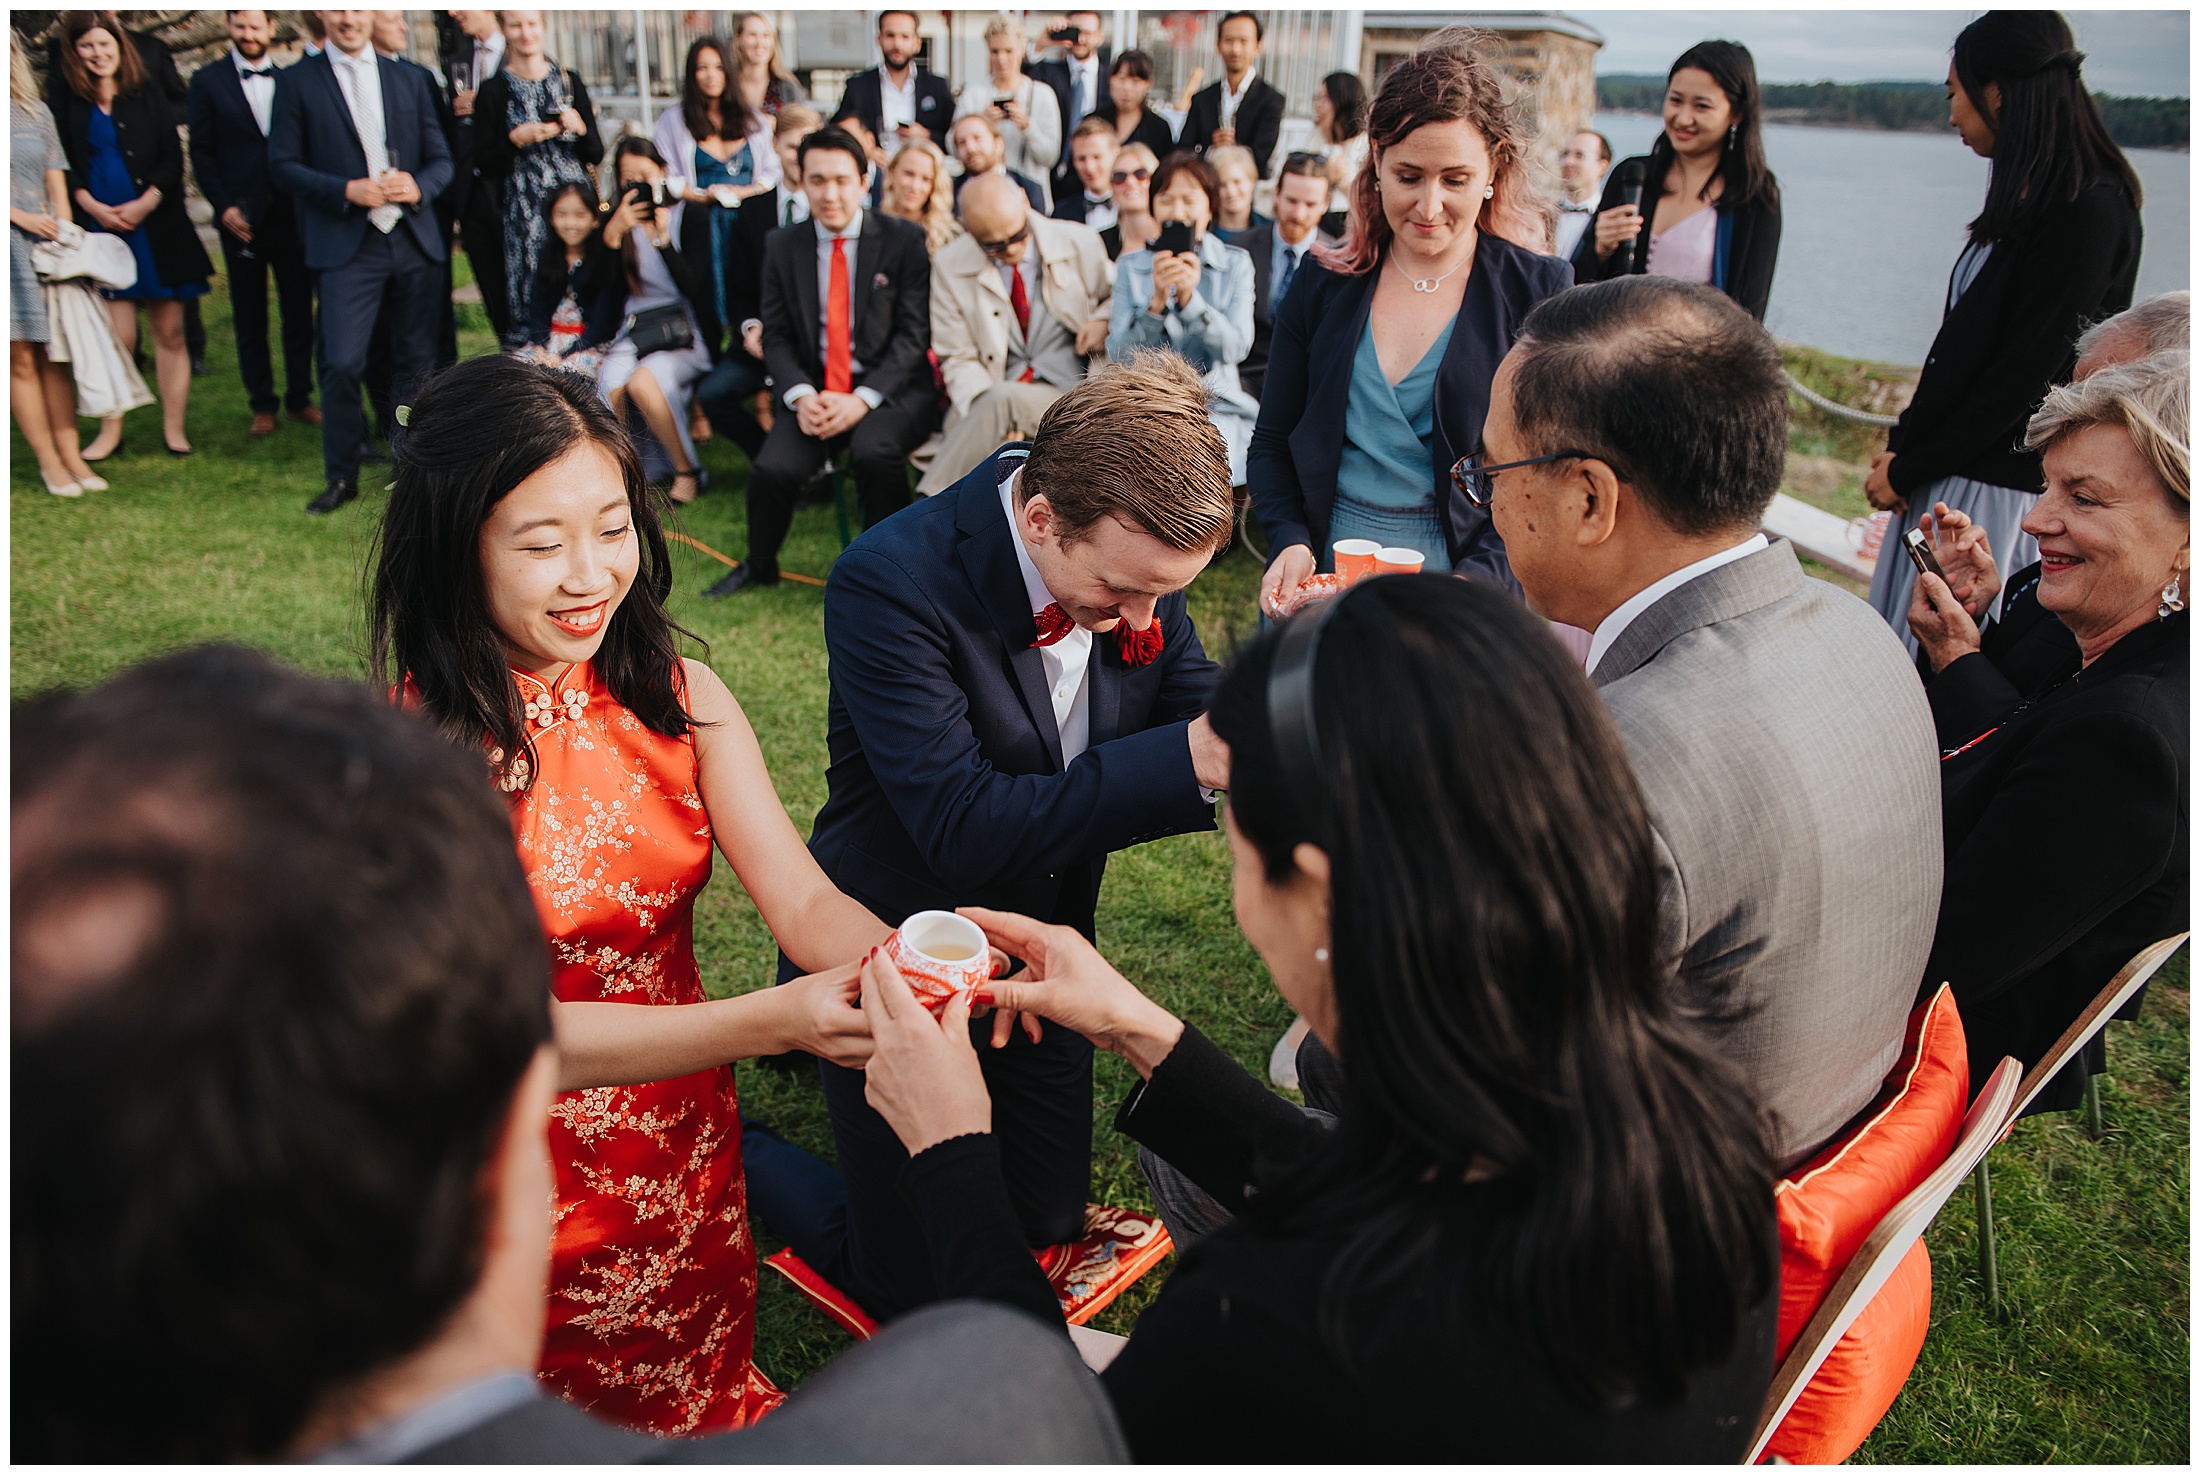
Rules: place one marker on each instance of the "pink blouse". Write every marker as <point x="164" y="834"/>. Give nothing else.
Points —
<point x="1685" y="250"/>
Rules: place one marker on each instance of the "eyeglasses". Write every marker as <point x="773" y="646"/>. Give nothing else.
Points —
<point x="1123" y="177"/>
<point x="1001" y="248"/>
<point x="1478" y="483"/>
<point x="1300" y="161"/>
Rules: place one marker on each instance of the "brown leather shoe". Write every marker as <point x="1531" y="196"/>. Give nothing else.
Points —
<point x="307" y="415"/>
<point x="263" y="423"/>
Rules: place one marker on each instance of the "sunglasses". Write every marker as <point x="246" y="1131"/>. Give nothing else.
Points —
<point x="1478" y="483"/>
<point x="996" y="248"/>
<point x="1125" y="177"/>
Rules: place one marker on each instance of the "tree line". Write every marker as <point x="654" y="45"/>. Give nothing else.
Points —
<point x="2134" y="122"/>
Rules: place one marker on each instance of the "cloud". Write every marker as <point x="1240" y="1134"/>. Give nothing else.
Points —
<point x="2130" y="52"/>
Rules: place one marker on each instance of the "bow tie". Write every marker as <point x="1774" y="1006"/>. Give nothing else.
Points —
<point x="266" y="71"/>
<point x="1136" y="647"/>
<point x="1568" y="207"/>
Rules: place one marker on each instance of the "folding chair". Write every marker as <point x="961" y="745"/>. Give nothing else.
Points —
<point x="1882" y="1251"/>
<point x="2129" y="980"/>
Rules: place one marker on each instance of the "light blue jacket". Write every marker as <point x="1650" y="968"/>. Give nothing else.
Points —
<point x="1214" y="330"/>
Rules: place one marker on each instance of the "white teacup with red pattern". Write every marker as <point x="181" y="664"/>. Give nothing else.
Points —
<point x="941" y="955"/>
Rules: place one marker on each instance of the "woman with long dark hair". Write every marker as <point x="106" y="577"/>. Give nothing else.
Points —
<point x="2055" y="249"/>
<point x="535" y="129"/>
<point x="1384" y="347"/>
<point x="1340" y="125"/>
<point x="722" y="148"/>
<point x="1542" y="1226"/>
<point x="518" y="602"/>
<point x="1130" y="81"/>
<point x="1715" y="204"/>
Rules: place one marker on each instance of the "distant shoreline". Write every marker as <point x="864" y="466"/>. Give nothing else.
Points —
<point x="1801" y="118"/>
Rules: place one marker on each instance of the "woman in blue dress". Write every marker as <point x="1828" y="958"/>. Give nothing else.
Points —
<point x="126" y="165"/>
<point x="723" y="148"/>
<point x="1198" y="303"/>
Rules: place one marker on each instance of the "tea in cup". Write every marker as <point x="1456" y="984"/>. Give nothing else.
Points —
<point x="941" y="955"/>
<point x="1398" y="561"/>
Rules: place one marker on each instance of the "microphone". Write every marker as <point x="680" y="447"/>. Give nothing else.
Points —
<point x="1630" y="184"/>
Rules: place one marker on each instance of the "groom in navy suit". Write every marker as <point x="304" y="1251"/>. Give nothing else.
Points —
<point x="1017" y="690"/>
<point x="357" y="142"/>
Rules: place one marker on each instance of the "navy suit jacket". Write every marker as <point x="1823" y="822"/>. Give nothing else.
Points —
<point x="313" y="151"/>
<point x="1298" y="442"/>
<point x="946" y="786"/>
<point x="228" y="152"/>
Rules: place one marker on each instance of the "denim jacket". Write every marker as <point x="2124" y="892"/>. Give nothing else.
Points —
<point x="1214" y="330"/>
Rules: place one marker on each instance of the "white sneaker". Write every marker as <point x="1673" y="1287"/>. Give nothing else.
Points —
<point x="1283" y="1061"/>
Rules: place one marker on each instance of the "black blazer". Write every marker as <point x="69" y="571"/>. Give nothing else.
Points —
<point x="1230" y="1363"/>
<point x="599" y="288"/>
<point x="890" y="296"/>
<point x="1054" y="72"/>
<point x="1152" y="131"/>
<point x="1024" y="182"/>
<point x="460" y="134"/>
<point x="2033" y="924"/>
<point x="228" y="151"/>
<point x="1291" y="470"/>
<point x="2011" y="337"/>
<point x="1748" y="250"/>
<point x="859" y="99"/>
<point x="313" y="151"/>
<point x="145" y="127"/>
<point x="494" y="154"/>
<point x="1259" y="120"/>
<point x="2022" y="653"/>
<point x="753" y="225"/>
<point x="1260" y="244"/>
<point x="1070" y="204"/>
<point x="946" y="785"/>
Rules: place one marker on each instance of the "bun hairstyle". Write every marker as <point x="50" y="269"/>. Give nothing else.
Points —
<point x="1448" y="79"/>
<point x="2050" y="142"/>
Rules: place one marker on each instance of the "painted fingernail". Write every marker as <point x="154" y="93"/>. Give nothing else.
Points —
<point x="981" y="1000"/>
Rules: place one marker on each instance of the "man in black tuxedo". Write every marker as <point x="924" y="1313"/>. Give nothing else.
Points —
<point x="232" y="102"/>
<point x="1017" y="691"/>
<point x="353" y="935"/>
<point x="846" y="309"/>
<point x="1241" y="108"/>
<point x="980" y="150"/>
<point x="1079" y="79"/>
<point x="473" y="207"/>
<point x="1091" y="199"/>
<point x="898" y="101"/>
<point x="356" y="142"/>
<point x="1278" y="251"/>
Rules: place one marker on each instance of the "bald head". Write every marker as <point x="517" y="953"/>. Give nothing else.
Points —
<point x="994" y="207"/>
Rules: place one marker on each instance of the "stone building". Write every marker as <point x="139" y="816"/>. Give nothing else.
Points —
<point x="1549" y="55"/>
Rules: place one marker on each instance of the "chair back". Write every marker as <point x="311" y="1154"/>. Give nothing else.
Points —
<point x="1883" y="1250"/>
<point x="2129" y="980"/>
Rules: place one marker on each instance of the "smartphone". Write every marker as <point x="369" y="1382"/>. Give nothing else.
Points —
<point x="1176" y="235"/>
<point x="1067" y="35"/>
<point x="1001" y="103"/>
<point x="644" y="192"/>
<point x="1921" y="554"/>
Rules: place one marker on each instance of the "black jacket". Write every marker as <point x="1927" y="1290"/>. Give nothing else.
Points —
<point x="1291" y="470"/>
<point x="1748" y="251"/>
<point x="2066" y="814"/>
<point x="145" y="127"/>
<point x="1259" y="120"/>
<point x="1024" y="182"/>
<point x="1054" y="72"/>
<point x="228" y="151"/>
<point x="2011" y="337"/>
<point x="1260" y="244"/>
<point x="599" y="289"/>
<point x="753" y="225"/>
<point x="466" y="183"/>
<point x="494" y="152"/>
<point x="890" y="291"/>
<point x="1230" y="1362"/>
<point x="1152" y="130"/>
<point x="859" y="99"/>
<point x="1070" y="204"/>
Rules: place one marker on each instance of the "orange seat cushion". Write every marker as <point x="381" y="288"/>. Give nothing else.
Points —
<point x="1831" y="1204"/>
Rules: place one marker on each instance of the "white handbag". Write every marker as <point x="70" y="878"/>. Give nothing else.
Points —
<point x="104" y="259"/>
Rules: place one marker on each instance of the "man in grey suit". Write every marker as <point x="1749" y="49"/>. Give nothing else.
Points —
<point x="299" y="1032"/>
<point x="1636" y="434"/>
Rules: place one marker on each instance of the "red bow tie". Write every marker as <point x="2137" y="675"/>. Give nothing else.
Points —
<point x="1136" y="647"/>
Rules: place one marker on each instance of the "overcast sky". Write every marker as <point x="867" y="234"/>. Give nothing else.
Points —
<point x="2145" y="53"/>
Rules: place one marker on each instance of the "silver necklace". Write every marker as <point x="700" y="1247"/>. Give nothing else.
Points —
<point x="1425" y="285"/>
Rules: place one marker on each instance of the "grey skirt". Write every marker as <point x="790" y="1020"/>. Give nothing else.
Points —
<point x="1998" y="510"/>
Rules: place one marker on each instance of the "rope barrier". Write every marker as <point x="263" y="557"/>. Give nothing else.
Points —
<point x="1861" y="417"/>
<point x="702" y="547"/>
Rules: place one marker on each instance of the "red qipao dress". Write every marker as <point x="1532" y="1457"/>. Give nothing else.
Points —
<point x="653" y="1272"/>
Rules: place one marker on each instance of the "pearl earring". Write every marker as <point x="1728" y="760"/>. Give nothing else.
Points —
<point x="1321" y="955"/>
<point x="2173" y="598"/>
<point x="1489" y="191"/>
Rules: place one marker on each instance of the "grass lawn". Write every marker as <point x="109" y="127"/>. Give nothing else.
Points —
<point x="2088" y="1362"/>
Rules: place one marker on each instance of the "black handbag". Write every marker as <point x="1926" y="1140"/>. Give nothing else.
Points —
<point x="660" y="330"/>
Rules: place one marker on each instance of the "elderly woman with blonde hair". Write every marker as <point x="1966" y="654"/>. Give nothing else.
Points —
<point x="2064" y="723"/>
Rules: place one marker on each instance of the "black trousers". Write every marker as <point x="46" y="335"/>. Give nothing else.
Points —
<point x="482" y="226"/>
<point x="389" y="279"/>
<point x="274" y="250"/>
<point x="854" y="1228"/>
<point x="724" y="394"/>
<point x="878" y="456"/>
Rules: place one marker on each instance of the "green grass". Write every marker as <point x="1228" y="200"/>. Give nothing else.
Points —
<point x="2089" y="1361"/>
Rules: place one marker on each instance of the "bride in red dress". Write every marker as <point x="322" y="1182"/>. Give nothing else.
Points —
<point x="519" y="597"/>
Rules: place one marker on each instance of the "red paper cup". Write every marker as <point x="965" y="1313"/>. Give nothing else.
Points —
<point x="941" y="955"/>
<point x="1355" y="558"/>
<point x="1398" y="561"/>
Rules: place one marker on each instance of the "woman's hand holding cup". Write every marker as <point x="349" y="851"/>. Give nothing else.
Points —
<point x="923" y="1075"/>
<point x="1067" y="981"/>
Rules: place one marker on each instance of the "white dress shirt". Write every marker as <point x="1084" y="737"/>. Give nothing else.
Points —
<point x="1087" y="73"/>
<point x="825" y="239"/>
<point x="896" y="105"/>
<point x="1616" y="623"/>
<point x="1068" y="661"/>
<point x="1573" y="223"/>
<point x="259" y="87"/>
<point x="360" y="77"/>
<point x="1230" y="100"/>
<point x="1099" y="211"/>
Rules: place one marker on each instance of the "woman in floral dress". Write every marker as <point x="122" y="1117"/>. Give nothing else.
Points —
<point x="518" y="602"/>
<point x="538" y="133"/>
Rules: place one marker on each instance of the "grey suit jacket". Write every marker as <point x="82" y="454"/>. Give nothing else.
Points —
<point x="1787" y="753"/>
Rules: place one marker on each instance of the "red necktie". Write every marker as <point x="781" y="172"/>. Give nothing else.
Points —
<point x="1136" y="647"/>
<point x="839" y="357"/>
<point x="1020" y="299"/>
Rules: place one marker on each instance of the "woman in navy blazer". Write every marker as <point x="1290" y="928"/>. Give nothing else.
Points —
<point x="1379" y="372"/>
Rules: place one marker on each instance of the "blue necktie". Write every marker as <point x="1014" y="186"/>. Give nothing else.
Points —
<point x="1283" y="283"/>
<point x="1076" y="94"/>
